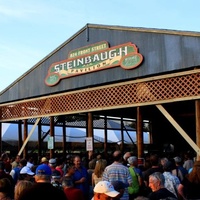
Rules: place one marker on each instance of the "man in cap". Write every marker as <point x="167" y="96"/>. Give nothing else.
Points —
<point x="26" y="174"/>
<point x="52" y="164"/>
<point x="44" y="160"/>
<point x="43" y="186"/>
<point x="104" y="190"/>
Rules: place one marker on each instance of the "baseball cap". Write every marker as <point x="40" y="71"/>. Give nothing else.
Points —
<point x="43" y="169"/>
<point x="52" y="161"/>
<point x="106" y="188"/>
<point x="26" y="170"/>
<point x="132" y="159"/>
<point x="44" y="159"/>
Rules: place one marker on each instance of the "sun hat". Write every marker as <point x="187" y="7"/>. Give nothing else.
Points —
<point x="43" y="169"/>
<point x="44" y="159"/>
<point x="132" y="159"/>
<point x="106" y="188"/>
<point x="26" y="170"/>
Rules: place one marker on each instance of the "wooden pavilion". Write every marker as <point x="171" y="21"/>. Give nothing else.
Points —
<point x="125" y="72"/>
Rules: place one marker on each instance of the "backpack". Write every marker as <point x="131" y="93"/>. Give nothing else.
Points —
<point x="134" y="188"/>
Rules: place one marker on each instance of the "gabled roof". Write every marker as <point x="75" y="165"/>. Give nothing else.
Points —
<point x="110" y="27"/>
<point x="11" y="89"/>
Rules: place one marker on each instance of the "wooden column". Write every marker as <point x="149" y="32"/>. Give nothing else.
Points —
<point x="52" y="134"/>
<point x="90" y="132"/>
<point x="139" y="132"/>
<point x="64" y="138"/>
<point x="122" y="136"/>
<point x="25" y="136"/>
<point x="105" y="137"/>
<point x="1" y="138"/>
<point x="39" y="140"/>
<point x="197" y="108"/>
<point x="20" y="135"/>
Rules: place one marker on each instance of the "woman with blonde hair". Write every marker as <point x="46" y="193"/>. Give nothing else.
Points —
<point x="20" y="187"/>
<point x="98" y="171"/>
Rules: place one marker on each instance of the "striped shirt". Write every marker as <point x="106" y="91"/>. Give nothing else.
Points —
<point x="118" y="172"/>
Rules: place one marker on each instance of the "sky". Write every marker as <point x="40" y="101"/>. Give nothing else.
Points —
<point x="31" y="29"/>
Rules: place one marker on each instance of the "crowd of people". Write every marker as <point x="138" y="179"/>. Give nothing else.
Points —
<point x="118" y="176"/>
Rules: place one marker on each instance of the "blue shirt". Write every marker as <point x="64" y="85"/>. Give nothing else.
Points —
<point x="80" y="173"/>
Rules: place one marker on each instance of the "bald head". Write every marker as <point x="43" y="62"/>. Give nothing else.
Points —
<point x="117" y="156"/>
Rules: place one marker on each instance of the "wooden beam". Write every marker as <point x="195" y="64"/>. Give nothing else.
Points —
<point x="29" y="135"/>
<point x="179" y="129"/>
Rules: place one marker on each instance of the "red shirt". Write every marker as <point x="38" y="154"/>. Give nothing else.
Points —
<point x="73" y="193"/>
<point x="60" y="170"/>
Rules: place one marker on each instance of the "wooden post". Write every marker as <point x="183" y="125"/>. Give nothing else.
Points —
<point x="1" y="138"/>
<point x="64" y="138"/>
<point x="52" y="134"/>
<point x="122" y="136"/>
<point x="19" y="135"/>
<point x="90" y="132"/>
<point x="25" y="137"/>
<point x="197" y="108"/>
<point x="105" y="138"/>
<point x="39" y="140"/>
<point x="139" y="133"/>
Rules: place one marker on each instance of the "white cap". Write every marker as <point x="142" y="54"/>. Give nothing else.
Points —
<point x="52" y="161"/>
<point x="106" y="188"/>
<point x="26" y="170"/>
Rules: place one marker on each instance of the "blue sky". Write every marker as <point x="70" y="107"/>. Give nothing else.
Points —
<point x="31" y="29"/>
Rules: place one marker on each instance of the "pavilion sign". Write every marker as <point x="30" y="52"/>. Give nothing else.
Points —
<point x="93" y="58"/>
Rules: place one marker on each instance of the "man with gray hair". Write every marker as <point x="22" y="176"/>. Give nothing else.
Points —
<point x="136" y="175"/>
<point x="157" y="185"/>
